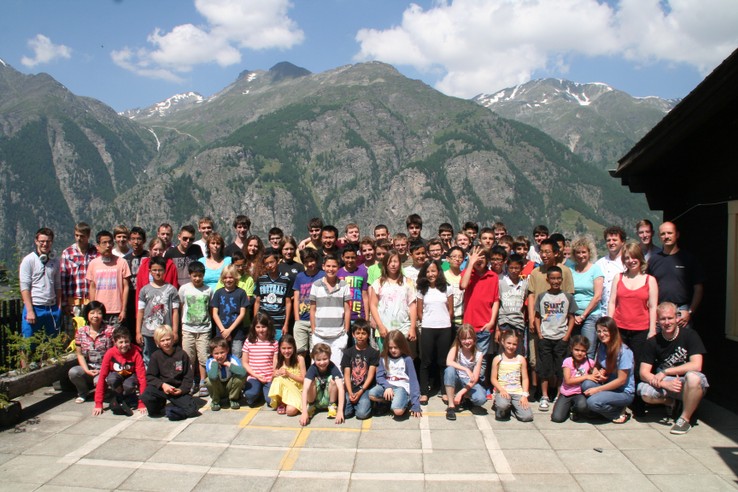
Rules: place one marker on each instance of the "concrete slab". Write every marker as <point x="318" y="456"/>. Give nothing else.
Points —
<point x="21" y="486"/>
<point x="674" y="462"/>
<point x="121" y="449"/>
<point x="30" y="469"/>
<point x="690" y="483"/>
<point x="266" y="437"/>
<point x="534" y="461"/>
<point x="457" y="439"/>
<point x="148" y="428"/>
<point x="533" y="482"/>
<point x="16" y="443"/>
<point x="391" y="486"/>
<point x="66" y="488"/>
<point x="288" y="484"/>
<point x="576" y="439"/>
<point x="458" y="486"/>
<point x="521" y="439"/>
<point x="219" y="483"/>
<point x="335" y="440"/>
<point x="96" y="477"/>
<point x="588" y="460"/>
<point x="638" y="439"/>
<point x="90" y="427"/>
<point x="157" y="480"/>
<point x="58" y="445"/>
<point x="379" y="462"/>
<point x="722" y="461"/>
<point x="464" y="421"/>
<point x="464" y="462"/>
<point x="260" y="459"/>
<point x="390" y="439"/>
<point x="594" y="482"/>
<point x="187" y="454"/>
<point x="197" y="432"/>
<point x="322" y="460"/>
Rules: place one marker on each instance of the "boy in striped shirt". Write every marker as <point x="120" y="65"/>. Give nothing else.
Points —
<point x="330" y="310"/>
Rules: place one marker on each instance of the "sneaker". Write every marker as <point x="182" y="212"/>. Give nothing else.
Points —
<point x="332" y="411"/>
<point x="450" y="414"/>
<point x="195" y="388"/>
<point x="235" y="405"/>
<point x="490" y="395"/>
<point x="543" y="405"/>
<point x="203" y="392"/>
<point x="215" y="406"/>
<point x="681" y="426"/>
<point x="126" y="408"/>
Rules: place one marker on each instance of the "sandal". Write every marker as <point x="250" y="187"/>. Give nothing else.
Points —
<point x="624" y="417"/>
<point x="282" y="409"/>
<point x="424" y="400"/>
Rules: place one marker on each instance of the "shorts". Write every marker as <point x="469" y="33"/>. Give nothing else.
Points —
<point x="195" y="346"/>
<point x="550" y="357"/>
<point x="645" y="389"/>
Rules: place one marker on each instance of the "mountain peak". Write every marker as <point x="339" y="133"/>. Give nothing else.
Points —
<point x="3" y="63"/>
<point x="286" y="70"/>
<point x="168" y="105"/>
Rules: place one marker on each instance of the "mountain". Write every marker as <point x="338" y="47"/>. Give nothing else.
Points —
<point x="63" y="158"/>
<point x="595" y="121"/>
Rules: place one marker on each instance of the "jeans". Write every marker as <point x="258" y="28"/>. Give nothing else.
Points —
<point x="564" y="404"/>
<point x="588" y="331"/>
<point x="609" y="404"/>
<point x="149" y="346"/>
<point x="483" y="340"/>
<point x="503" y="407"/>
<point x="253" y="388"/>
<point x="477" y="394"/>
<point x="362" y="409"/>
<point x="401" y="399"/>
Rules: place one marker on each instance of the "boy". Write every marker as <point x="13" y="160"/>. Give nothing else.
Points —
<point x="351" y="236"/>
<point x="506" y="242"/>
<point x="134" y="257"/>
<point x="194" y="297"/>
<point x="400" y="244"/>
<point x="414" y="226"/>
<point x="273" y="296"/>
<point x="120" y="236"/>
<point x="158" y="304"/>
<point x="205" y="226"/>
<point x="315" y="226"/>
<point x="471" y="229"/>
<point x="108" y="276"/>
<point x="328" y="237"/>
<point x="481" y="300"/>
<point x="169" y="377"/>
<point x="275" y="238"/>
<point x="330" y="310"/>
<point x="487" y="238"/>
<point x="184" y="253"/>
<point x="418" y="255"/>
<point x="554" y="321"/>
<point x="513" y="293"/>
<point x="380" y="251"/>
<point x="230" y="304"/>
<point x="359" y="366"/>
<point x="381" y="232"/>
<point x="499" y="231"/>
<point x="463" y="241"/>
<point x="540" y="232"/>
<point x="366" y="248"/>
<point x="521" y="246"/>
<point x="355" y="277"/>
<point x="242" y="225"/>
<point x="301" y="299"/>
<point x="436" y="252"/>
<point x="446" y="235"/>
<point x="323" y="387"/>
<point x="226" y="375"/>
<point x="497" y="257"/>
<point x="121" y="368"/>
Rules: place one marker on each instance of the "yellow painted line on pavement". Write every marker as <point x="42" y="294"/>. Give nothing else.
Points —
<point x="290" y="457"/>
<point x="249" y="417"/>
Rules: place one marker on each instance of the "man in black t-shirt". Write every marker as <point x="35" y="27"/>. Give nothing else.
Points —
<point x="671" y="368"/>
<point x="184" y="253"/>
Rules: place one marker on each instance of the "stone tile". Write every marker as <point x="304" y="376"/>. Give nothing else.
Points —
<point x="30" y="469"/>
<point x="391" y="485"/>
<point x="21" y="486"/>
<point x="118" y="449"/>
<point x="674" y="462"/>
<point x="324" y="439"/>
<point x="224" y="416"/>
<point x="457" y="439"/>
<point x="208" y="433"/>
<point x="149" y="428"/>
<point x="387" y="422"/>
<point x="218" y="483"/>
<point x="289" y="484"/>
<point x="534" y="461"/>
<point x="90" y="427"/>
<point x="324" y="460"/>
<point x="16" y="443"/>
<point x="464" y="486"/>
<point x="58" y="445"/>
<point x="250" y="458"/>
<point x="639" y="439"/>
<point x="464" y="461"/>
<point x="588" y="460"/>
<point x="722" y="461"/>
<point x="731" y="480"/>
<point x="526" y="482"/>
<point x="187" y="454"/>
<point x="690" y="483"/>
<point x="511" y="424"/>
<point x="702" y="436"/>
<point x="390" y="439"/>
<point x="266" y="437"/>
<point x="576" y="439"/>
<point x="464" y="421"/>
<point x="717" y="417"/>
<point x="161" y="480"/>
<point x="66" y="488"/>
<point x="93" y="476"/>
<point x="521" y="439"/>
<point x="615" y="483"/>
<point x="379" y="462"/>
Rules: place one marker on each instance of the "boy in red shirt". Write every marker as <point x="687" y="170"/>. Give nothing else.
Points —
<point x="122" y="367"/>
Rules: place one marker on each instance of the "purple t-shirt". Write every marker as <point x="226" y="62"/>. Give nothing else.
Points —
<point x="302" y="284"/>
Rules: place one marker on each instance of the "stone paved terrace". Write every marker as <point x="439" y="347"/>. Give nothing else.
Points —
<point x="256" y="449"/>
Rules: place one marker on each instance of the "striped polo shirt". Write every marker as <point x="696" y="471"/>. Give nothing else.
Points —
<point x="329" y="306"/>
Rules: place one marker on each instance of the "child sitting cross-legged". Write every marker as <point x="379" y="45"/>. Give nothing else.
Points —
<point x="225" y="375"/>
<point x="169" y="377"/>
<point x="323" y="386"/>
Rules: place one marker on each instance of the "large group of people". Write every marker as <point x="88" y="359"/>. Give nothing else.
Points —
<point x="366" y="326"/>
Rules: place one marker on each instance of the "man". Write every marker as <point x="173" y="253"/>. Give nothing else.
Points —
<point x="328" y="237"/>
<point x="644" y="229"/>
<point x="672" y="368"/>
<point x="184" y="253"/>
<point x="40" y="286"/>
<point x="108" y="276"/>
<point x="679" y="275"/>
<point x="165" y="233"/>
<point x="206" y="226"/>
<point x="612" y="263"/>
<point x="74" y="262"/>
<point x="136" y="253"/>
<point x="242" y="225"/>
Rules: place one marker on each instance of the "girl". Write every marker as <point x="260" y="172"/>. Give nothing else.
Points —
<point x="289" y="373"/>
<point x="435" y="305"/>
<point x="396" y="379"/>
<point x="290" y="264"/>
<point x="259" y="359"/>
<point x="463" y="366"/>
<point x="588" y="280"/>
<point x="273" y="295"/>
<point x="229" y="305"/>
<point x="612" y="386"/>
<point x="455" y="259"/>
<point x="510" y="379"/>
<point x="577" y="369"/>
<point x="214" y="261"/>
<point x="392" y="300"/>
<point x="254" y="251"/>
<point x="92" y="341"/>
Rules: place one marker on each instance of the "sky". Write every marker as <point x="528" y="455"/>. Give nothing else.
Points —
<point x="134" y="53"/>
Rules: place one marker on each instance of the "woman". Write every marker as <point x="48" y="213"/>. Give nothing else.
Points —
<point x="289" y="264"/>
<point x="633" y="300"/>
<point x="214" y="261"/>
<point x="254" y="252"/>
<point x="392" y="300"/>
<point x="588" y="279"/>
<point x="156" y="248"/>
<point x="92" y="341"/>
<point x="614" y="386"/>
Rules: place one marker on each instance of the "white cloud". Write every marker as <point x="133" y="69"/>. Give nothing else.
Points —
<point x="231" y="25"/>
<point x="485" y="45"/>
<point x="44" y="51"/>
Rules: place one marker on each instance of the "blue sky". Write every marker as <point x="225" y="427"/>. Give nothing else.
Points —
<point x="133" y="53"/>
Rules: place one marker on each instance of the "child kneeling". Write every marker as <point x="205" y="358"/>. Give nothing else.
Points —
<point x="225" y="375"/>
<point x="169" y="377"/>
<point x="322" y="387"/>
<point x="397" y="382"/>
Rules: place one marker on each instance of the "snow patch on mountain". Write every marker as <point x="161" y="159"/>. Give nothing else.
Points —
<point x="3" y="63"/>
